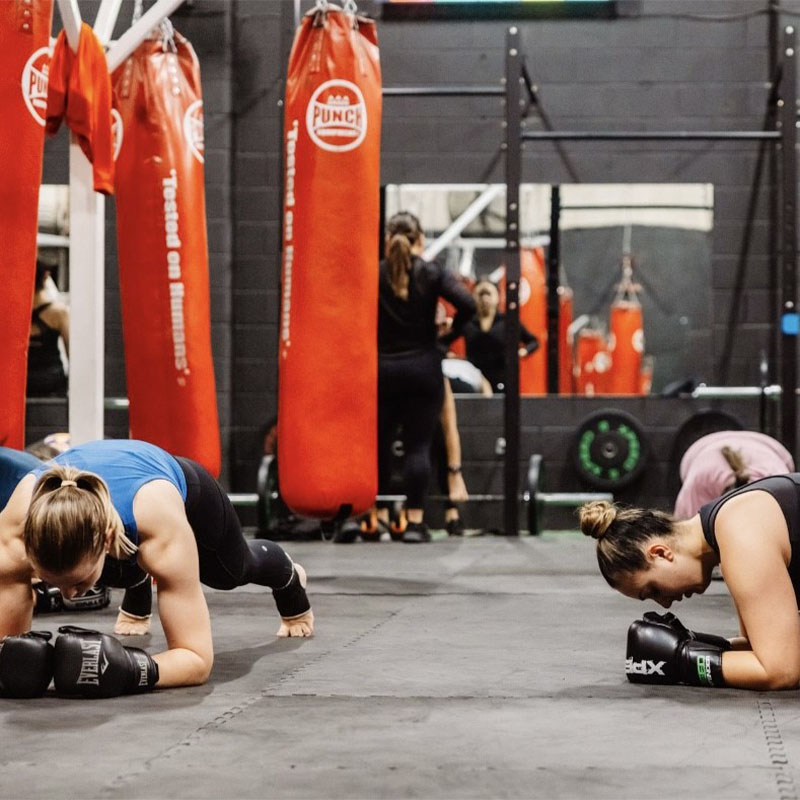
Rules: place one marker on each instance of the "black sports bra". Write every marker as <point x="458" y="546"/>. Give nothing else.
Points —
<point x="786" y="490"/>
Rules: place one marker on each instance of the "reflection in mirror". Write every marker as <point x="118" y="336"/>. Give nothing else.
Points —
<point x="48" y="346"/>
<point x="634" y="272"/>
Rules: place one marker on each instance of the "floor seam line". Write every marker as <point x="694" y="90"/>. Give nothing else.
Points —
<point x="234" y="711"/>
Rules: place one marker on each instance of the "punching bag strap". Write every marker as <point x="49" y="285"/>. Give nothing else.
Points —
<point x="167" y="36"/>
<point x="351" y="8"/>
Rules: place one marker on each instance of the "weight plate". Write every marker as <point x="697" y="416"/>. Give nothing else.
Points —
<point x="610" y="450"/>
<point x="535" y="488"/>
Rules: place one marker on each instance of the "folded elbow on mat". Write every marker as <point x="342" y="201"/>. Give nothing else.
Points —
<point x="782" y="679"/>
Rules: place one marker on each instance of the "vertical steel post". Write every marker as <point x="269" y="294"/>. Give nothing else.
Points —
<point x="86" y="299"/>
<point x="513" y="148"/>
<point x="790" y="321"/>
<point x="554" y="342"/>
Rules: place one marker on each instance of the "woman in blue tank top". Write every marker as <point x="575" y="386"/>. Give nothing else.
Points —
<point x="751" y="533"/>
<point x="115" y="511"/>
<point x="134" y="613"/>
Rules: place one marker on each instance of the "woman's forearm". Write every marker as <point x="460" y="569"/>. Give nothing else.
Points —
<point x="742" y="670"/>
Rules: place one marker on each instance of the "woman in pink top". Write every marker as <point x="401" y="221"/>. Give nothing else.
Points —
<point x="726" y="460"/>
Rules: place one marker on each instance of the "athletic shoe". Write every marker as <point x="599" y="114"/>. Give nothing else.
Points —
<point x="454" y="527"/>
<point x="347" y="532"/>
<point x="416" y="533"/>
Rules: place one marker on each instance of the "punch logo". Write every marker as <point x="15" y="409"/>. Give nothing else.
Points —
<point x="193" y="130"/>
<point x="34" y="83"/>
<point x="117" y="131"/>
<point x="644" y="667"/>
<point x="336" y="117"/>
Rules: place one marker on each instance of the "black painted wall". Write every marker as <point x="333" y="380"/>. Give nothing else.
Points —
<point x="654" y="68"/>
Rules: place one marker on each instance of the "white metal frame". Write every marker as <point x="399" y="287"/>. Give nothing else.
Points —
<point x="87" y="231"/>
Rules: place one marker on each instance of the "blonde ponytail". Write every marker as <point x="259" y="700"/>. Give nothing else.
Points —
<point x="69" y="515"/>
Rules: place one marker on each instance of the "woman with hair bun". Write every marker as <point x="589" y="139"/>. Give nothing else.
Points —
<point x="114" y="511"/>
<point x="753" y="534"/>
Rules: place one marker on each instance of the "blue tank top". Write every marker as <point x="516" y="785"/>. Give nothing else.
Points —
<point x="14" y="466"/>
<point x="125" y="465"/>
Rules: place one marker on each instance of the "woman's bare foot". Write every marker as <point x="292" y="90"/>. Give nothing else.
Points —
<point x="302" y="624"/>
<point x="297" y="626"/>
<point x="127" y="625"/>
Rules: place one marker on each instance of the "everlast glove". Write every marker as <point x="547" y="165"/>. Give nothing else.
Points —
<point x="96" y="598"/>
<point x="47" y="598"/>
<point x="26" y="664"/>
<point x="93" y="664"/>
<point x="664" y="651"/>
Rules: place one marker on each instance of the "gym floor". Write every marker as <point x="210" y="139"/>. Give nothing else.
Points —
<point x="467" y="668"/>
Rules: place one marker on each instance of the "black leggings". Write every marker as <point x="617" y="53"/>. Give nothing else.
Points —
<point x="227" y="559"/>
<point x="410" y="394"/>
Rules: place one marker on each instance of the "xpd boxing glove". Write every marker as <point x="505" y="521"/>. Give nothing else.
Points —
<point x="26" y="664"/>
<point x="661" y="650"/>
<point x="670" y="619"/>
<point x="93" y="665"/>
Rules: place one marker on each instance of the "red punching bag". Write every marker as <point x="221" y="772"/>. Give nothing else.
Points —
<point x="163" y="252"/>
<point x="626" y="327"/>
<point x="533" y="315"/>
<point x="592" y="362"/>
<point x="24" y="64"/>
<point x="328" y="345"/>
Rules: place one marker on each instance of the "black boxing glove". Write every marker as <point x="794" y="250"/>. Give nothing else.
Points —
<point x="47" y="599"/>
<point x="663" y="652"/>
<point x="93" y="664"/>
<point x="670" y="619"/>
<point x="26" y="664"/>
<point x="98" y="597"/>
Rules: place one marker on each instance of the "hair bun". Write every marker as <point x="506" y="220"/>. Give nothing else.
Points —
<point x="596" y="517"/>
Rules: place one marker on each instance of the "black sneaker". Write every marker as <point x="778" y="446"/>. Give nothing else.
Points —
<point x="347" y="532"/>
<point x="416" y="533"/>
<point x="454" y="527"/>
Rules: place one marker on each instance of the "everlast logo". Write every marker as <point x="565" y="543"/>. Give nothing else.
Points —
<point x="90" y="663"/>
<point x="141" y="662"/>
<point x="644" y="667"/>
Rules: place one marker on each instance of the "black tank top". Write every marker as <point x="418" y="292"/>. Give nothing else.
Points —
<point x="43" y="355"/>
<point x="786" y="490"/>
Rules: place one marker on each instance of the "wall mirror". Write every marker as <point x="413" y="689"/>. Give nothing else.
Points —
<point x="621" y="247"/>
